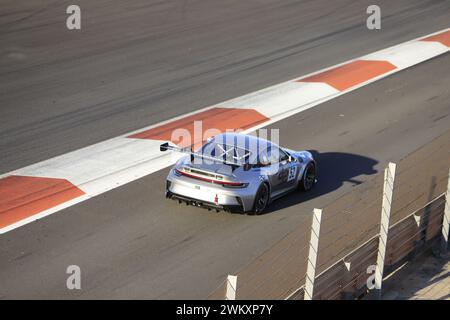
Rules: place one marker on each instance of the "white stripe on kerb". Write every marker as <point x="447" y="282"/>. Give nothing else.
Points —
<point x="409" y="54"/>
<point x="286" y="97"/>
<point x="104" y="166"/>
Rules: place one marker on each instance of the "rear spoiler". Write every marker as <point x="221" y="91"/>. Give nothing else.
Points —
<point x="165" y="146"/>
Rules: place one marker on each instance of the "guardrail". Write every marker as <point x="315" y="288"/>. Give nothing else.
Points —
<point x="349" y="244"/>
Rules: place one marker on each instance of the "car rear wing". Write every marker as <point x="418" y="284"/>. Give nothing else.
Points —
<point x="165" y="146"/>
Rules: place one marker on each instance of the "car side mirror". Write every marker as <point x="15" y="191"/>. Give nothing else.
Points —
<point x="290" y="159"/>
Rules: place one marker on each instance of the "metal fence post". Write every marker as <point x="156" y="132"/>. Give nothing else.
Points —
<point x="231" y="288"/>
<point x="312" y="255"/>
<point x="446" y="221"/>
<point x="388" y="190"/>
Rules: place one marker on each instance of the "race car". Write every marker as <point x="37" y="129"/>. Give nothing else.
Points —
<point x="238" y="173"/>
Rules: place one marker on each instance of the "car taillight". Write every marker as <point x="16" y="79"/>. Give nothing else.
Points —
<point x="235" y="184"/>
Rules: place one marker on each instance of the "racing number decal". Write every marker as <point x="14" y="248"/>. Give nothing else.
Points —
<point x="292" y="172"/>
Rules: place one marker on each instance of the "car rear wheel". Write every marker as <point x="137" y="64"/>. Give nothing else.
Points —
<point x="309" y="177"/>
<point x="261" y="199"/>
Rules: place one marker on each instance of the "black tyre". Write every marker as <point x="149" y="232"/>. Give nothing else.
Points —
<point x="309" y="178"/>
<point x="261" y="200"/>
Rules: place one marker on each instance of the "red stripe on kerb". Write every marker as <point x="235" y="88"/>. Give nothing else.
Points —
<point x="221" y="119"/>
<point x="351" y="74"/>
<point x="22" y="197"/>
<point x="443" y="38"/>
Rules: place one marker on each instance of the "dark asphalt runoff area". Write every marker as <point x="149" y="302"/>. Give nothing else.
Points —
<point x="134" y="64"/>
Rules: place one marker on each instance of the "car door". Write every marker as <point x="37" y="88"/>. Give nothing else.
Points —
<point x="292" y="169"/>
<point x="287" y="169"/>
<point x="277" y="169"/>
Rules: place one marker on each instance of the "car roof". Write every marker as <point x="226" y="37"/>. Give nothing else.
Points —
<point x="232" y="137"/>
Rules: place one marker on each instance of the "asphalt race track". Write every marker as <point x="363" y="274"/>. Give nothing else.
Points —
<point x="136" y="64"/>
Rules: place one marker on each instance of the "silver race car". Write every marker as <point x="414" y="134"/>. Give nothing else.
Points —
<point x="238" y="173"/>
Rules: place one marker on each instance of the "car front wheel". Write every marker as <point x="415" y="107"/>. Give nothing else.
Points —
<point x="309" y="177"/>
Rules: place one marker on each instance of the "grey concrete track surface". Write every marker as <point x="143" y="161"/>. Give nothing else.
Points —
<point x="138" y="62"/>
<point x="164" y="60"/>
<point x="131" y="243"/>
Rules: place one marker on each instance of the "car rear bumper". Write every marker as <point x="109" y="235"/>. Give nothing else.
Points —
<point x="204" y="204"/>
<point x="209" y="194"/>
